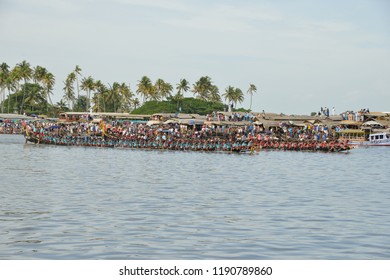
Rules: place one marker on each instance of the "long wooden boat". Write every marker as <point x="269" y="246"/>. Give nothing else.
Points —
<point x="238" y="147"/>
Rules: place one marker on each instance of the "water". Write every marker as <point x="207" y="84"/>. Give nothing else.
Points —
<point x="100" y="203"/>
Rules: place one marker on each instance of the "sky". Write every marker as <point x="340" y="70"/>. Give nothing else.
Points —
<point x="301" y="55"/>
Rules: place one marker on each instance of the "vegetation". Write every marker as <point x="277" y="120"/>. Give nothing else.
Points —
<point x="27" y="89"/>
<point x="24" y="95"/>
<point x="188" y="105"/>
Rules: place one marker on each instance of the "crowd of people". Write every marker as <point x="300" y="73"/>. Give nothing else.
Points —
<point x="173" y="136"/>
<point x="357" y="116"/>
<point x="324" y="111"/>
<point x="10" y="127"/>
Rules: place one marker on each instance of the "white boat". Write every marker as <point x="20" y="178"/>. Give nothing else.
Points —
<point x="378" y="139"/>
<point x="358" y="137"/>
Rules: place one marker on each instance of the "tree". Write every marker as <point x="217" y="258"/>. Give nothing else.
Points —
<point x="77" y="74"/>
<point x="81" y="102"/>
<point x="35" y="98"/>
<point x="38" y="74"/>
<point x="234" y="95"/>
<point x="25" y="72"/>
<point x="189" y="106"/>
<point x="4" y="67"/>
<point x="252" y="89"/>
<point x="239" y="96"/>
<point x="166" y="90"/>
<point x="203" y="88"/>
<point x="159" y="85"/>
<point x="145" y="88"/>
<point x="182" y="86"/>
<point x="13" y="82"/>
<point x="88" y="85"/>
<point x="4" y="74"/>
<point x="126" y="97"/>
<point x="61" y="105"/>
<point x="162" y="89"/>
<point x="48" y="81"/>
<point x="135" y="103"/>
<point x="34" y="101"/>
<point x="113" y="96"/>
<point x="229" y="94"/>
<point x="69" y="94"/>
<point x="99" y="94"/>
<point x="214" y="94"/>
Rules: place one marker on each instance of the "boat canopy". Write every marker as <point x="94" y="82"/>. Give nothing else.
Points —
<point x="372" y="124"/>
<point x="352" y="131"/>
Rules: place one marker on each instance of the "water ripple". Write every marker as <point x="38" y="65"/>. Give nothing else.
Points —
<point x="80" y="203"/>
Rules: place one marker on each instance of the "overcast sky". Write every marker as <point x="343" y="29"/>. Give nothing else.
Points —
<point x="301" y="55"/>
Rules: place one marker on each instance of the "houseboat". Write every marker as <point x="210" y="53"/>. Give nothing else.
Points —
<point x="378" y="139"/>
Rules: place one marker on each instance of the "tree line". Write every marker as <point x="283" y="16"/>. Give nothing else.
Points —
<point x="24" y="88"/>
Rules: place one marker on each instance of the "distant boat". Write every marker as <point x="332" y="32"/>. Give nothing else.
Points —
<point x="378" y="139"/>
<point x="357" y="137"/>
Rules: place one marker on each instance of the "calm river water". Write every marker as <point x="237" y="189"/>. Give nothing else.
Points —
<point x="99" y="203"/>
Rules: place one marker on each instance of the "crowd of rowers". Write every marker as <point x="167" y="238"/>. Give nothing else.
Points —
<point x="174" y="137"/>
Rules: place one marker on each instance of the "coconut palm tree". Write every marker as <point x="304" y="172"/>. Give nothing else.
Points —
<point x="25" y="74"/>
<point x="88" y="85"/>
<point x="202" y="88"/>
<point x="15" y="77"/>
<point x="153" y="93"/>
<point x="127" y="96"/>
<point x="4" y="67"/>
<point x="166" y="90"/>
<point x="48" y="81"/>
<point x="10" y="84"/>
<point x="4" y="73"/>
<point x="214" y="94"/>
<point x="145" y="88"/>
<point x="71" y="78"/>
<point x="114" y="95"/>
<point x="35" y="97"/>
<point x="99" y="95"/>
<point x="182" y="86"/>
<point x="159" y="85"/>
<point x="252" y="89"/>
<point x="77" y="75"/>
<point x="238" y="96"/>
<point x="38" y="73"/>
<point x="135" y="103"/>
<point x="162" y="89"/>
<point x="3" y="77"/>
<point x="233" y="95"/>
<point x="61" y="105"/>
<point x="69" y="96"/>
<point x="45" y="79"/>
<point x="229" y="94"/>
<point x="81" y="103"/>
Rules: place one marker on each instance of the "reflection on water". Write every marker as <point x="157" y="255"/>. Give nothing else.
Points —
<point x="96" y="203"/>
